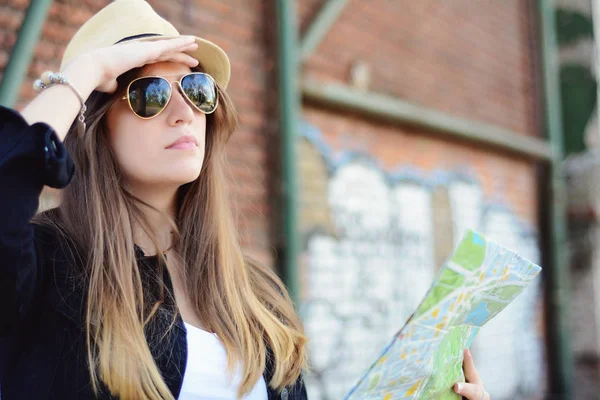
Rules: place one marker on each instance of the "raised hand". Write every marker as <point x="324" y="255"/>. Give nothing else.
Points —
<point x="115" y="60"/>
<point x="473" y="389"/>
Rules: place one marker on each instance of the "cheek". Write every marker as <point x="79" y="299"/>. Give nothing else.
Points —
<point x="132" y="152"/>
<point x="131" y="143"/>
<point x="200" y="127"/>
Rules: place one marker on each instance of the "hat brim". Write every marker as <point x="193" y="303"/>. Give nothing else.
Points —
<point x="212" y="58"/>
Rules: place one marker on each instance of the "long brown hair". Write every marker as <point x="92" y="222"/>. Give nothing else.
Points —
<point x="244" y="303"/>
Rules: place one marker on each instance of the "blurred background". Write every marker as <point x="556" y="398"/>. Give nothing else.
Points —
<point x="373" y="133"/>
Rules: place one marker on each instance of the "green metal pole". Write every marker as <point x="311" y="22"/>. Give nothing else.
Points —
<point x="328" y="14"/>
<point x="289" y="106"/>
<point x="558" y="276"/>
<point x="22" y="53"/>
<point x="395" y="110"/>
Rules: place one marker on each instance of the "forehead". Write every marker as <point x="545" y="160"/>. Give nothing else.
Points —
<point x="164" y="68"/>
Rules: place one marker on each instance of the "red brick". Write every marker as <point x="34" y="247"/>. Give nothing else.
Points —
<point x="3" y="59"/>
<point x="416" y="50"/>
<point x="18" y="4"/>
<point x="8" y="39"/>
<point x="58" y="33"/>
<point x="10" y="19"/>
<point x="46" y="51"/>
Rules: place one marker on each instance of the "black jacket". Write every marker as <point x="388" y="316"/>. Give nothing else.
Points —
<point x="42" y="302"/>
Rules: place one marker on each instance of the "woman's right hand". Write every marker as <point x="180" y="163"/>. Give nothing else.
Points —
<point x="112" y="61"/>
<point x="99" y="69"/>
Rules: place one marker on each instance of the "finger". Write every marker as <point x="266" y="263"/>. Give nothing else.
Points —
<point x="187" y="47"/>
<point x="175" y="44"/>
<point x="470" y="370"/>
<point x="190" y="47"/>
<point x="177" y="56"/>
<point x="181" y="58"/>
<point x="110" y="87"/>
<point x="159" y="47"/>
<point x="471" y="391"/>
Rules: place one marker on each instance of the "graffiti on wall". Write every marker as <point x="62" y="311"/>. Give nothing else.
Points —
<point x="374" y="240"/>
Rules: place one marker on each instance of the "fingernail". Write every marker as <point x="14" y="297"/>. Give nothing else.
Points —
<point x="459" y="387"/>
<point x="467" y="353"/>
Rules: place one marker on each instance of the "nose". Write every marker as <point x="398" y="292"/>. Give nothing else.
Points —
<point x="179" y="110"/>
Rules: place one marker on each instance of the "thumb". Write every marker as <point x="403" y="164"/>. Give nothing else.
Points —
<point x="108" y="86"/>
<point x="471" y="391"/>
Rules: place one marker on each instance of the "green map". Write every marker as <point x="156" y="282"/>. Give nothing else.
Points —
<point x="424" y="359"/>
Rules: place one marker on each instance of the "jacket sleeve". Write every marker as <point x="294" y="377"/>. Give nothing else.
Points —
<point x="298" y="391"/>
<point x="31" y="156"/>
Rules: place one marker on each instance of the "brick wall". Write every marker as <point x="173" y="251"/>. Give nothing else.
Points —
<point x="238" y="27"/>
<point x="383" y="204"/>
<point x="470" y="61"/>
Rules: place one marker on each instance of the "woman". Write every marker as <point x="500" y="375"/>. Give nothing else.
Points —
<point x="135" y="287"/>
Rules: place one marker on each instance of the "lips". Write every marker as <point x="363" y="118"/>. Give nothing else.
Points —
<point x="184" y="142"/>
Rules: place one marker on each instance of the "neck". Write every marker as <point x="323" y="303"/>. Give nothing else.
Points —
<point x="164" y="201"/>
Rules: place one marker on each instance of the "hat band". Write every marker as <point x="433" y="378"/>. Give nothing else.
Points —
<point x="143" y="35"/>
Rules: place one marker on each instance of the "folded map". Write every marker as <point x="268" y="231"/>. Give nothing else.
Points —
<point x="424" y="359"/>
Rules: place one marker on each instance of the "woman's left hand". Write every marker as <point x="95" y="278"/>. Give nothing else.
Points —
<point x="473" y="390"/>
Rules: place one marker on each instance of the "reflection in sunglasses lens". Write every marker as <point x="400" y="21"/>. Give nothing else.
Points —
<point x="149" y="96"/>
<point x="201" y="91"/>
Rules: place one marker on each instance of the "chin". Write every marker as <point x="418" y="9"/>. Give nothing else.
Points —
<point x="182" y="177"/>
<point x="171" y="174"/>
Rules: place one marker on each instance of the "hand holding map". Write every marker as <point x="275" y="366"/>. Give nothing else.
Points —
<point x="425" y="358"/>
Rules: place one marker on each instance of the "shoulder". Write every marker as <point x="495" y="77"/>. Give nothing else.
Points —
<point x="65" y="283"/>
<point x="53" y="242"/>
<point x="46" y="232"/>
<point x="44" y="227"/>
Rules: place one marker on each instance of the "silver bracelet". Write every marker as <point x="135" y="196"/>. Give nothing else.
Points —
<point x="50" y="78"/>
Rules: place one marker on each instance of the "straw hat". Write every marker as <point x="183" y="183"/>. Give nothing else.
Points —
<point x="136" y="20"/>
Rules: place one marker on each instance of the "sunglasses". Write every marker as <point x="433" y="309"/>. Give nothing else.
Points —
<point x="148" y="96"/>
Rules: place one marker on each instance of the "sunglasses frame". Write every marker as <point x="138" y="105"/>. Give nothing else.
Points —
<point x="178" y="82"/>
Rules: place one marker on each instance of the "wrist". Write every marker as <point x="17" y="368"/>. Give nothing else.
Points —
<point x="83" y="74"/>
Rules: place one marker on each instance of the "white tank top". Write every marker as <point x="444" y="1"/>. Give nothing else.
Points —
<point x="206" y="376"/>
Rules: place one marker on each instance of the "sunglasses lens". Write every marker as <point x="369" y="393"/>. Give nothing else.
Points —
<point x="149" y="96"/>
<point x="201" y="90"/>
